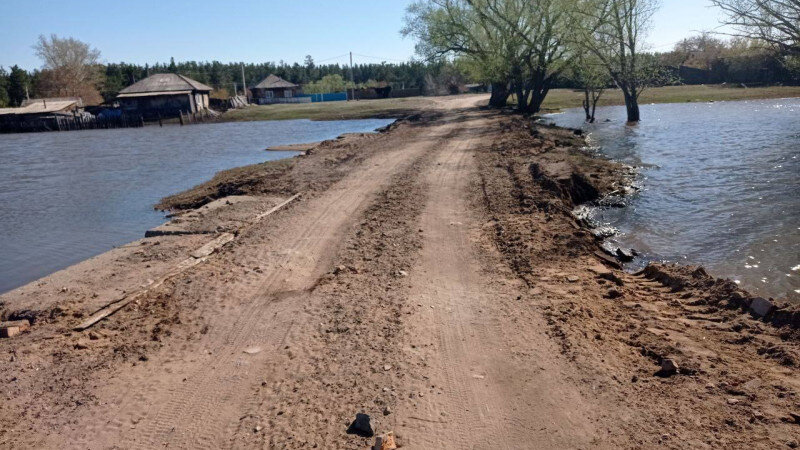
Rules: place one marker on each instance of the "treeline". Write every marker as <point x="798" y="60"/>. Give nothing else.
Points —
<point x="223" y="77"/>
<point x="519" y="47"/>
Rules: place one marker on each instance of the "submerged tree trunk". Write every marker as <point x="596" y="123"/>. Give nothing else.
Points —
<point x="587" y="108"/>
<point x="631" y="106"/>
<point x="499" y="97"/>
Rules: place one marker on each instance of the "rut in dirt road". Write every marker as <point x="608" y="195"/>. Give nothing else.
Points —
<point x="479" y="392"/>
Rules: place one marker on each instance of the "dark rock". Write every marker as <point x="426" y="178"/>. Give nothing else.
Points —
<point x="668" y="368"/>
<point x="361" y="426"/>
<point x="625" y="255"/>
<point x="613" y="293"/>
<point x="25" y="314"/>
<point x="610" y="276"/>
<point x="761" y="306"/>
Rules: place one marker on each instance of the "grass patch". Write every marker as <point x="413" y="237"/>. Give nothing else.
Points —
<point x="362" y="109"/>
<point x="558" y="99"/>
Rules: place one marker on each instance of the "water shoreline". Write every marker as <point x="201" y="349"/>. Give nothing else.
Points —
<point x="717" y="179"/>
<point x="237" y="191"/>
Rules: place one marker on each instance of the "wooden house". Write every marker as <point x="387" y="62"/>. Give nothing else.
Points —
<point x="40" y="114"/>
<point x="275" y="89"/>
<point x="164" y="95"/>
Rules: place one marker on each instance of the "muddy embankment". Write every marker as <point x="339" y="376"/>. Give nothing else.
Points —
<point x="691" y="361"/>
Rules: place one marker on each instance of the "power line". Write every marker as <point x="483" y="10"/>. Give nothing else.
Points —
<point x="380" y="58"/>
<point x="330" y="59"/>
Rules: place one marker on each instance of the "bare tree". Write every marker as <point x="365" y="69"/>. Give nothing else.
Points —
<point x="613" y="30"/>
<point x="70" y="68"/>
<point x="776" y="22"/>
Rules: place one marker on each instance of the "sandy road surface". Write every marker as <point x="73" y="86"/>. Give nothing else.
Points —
<point x="435" y="280"/>
<point x="490" y="399"/>
<point x="195" y="400"/>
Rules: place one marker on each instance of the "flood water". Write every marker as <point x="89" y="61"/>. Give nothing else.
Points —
<point x="65" y="197"/>
<point x="720" y="187"/>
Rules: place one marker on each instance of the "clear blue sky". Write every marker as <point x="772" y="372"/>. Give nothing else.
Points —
<point x="148" y="31"/>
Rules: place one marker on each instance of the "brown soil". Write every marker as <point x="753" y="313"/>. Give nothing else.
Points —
<point x="431" y="276"/>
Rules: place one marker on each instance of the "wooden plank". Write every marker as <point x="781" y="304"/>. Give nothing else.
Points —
<point x="211" y="247"/>
<point x="275" y="208"/>
<point x="196" y="258"/>
<point x="118" y="304"/>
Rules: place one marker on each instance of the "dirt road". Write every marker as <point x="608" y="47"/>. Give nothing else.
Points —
<point x="422" y="278"/>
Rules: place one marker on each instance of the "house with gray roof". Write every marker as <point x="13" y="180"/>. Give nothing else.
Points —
<point x="164" y="95"/>
<point x="275" y="89"/>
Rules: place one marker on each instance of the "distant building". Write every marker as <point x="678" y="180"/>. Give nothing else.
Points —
<point x="44" y="107"/>
<point x="275" y="89"/>
<point x="40" y="114"/>
<point x="164" y="95"/>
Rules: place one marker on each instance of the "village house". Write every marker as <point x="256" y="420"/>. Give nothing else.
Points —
<point x="275" y="89"/>
<point x="164" y="95"/>
<point x="39" y="114"/>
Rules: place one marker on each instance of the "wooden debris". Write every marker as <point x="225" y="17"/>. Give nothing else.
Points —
<point x="118" y="304"/>
<point x="276" y="207"/>
<point x="13" y="328"/>
<point x="385" y="442"/>
<point x="212" y="246"/>
<point x="198" y="256"/>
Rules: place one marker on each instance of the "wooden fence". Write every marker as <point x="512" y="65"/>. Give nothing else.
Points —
<point x="65" y="122"/>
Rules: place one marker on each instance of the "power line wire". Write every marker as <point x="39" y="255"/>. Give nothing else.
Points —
<point x="380" y="58"/>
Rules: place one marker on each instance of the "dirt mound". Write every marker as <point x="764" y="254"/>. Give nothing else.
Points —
<point x="723" y="293"/>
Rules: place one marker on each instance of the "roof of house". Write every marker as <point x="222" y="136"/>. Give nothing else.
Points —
<point x="150" y="94"/>
<point x="274" y="82"/>
<point x="42" y="106"/>
<point x="164" y="83"/>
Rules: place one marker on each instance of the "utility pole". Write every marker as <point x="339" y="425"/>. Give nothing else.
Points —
<point x="244" y="85"/>
<point x="352" y="82"/>
<point x="235" y="92"/>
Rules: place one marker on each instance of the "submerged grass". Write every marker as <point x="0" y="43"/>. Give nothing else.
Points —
<point x="559" y="99"/>
<point x="362" y="109"/>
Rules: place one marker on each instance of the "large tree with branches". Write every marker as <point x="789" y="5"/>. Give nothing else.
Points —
<point x="613" y="31"/>
<point x="70" y="68"/>
<point x="776" y="22"/>
<point x="518" y="45"/>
